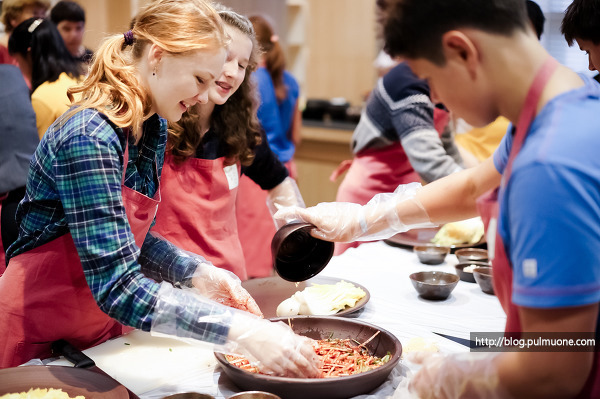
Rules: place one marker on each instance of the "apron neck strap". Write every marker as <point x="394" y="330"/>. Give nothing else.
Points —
<point x="529" y="110"/>
<point x="125" y="155"/>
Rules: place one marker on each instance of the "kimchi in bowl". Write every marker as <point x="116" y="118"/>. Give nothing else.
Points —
<point x="379" y="343"/>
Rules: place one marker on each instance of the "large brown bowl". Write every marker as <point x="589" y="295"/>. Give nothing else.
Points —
<point x="298" y="256"/>
<point x="324" y="388"/>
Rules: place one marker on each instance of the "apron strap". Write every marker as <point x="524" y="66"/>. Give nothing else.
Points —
<point x="529" y="111"/>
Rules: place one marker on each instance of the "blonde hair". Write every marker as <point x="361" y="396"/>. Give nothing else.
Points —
<point x="12" y="9"/>
<point x="178" y="27"/>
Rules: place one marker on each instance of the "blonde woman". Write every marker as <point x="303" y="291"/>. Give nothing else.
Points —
<point x="84" y="265"/>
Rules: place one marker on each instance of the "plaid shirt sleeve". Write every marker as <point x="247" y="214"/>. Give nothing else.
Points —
<point x="87" y="172"/>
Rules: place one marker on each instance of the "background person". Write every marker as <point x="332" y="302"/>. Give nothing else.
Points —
<point x="69" y="18"/>
<point x="19" y="138"/>
<point x="482" y="60"/>
<point x="13" y="13"/>
<point x="208" y="149"/>
<point x="46" y="63"/>
<point x="580" y="24"/>
<point x="84" y="265"/>
<point x="281" y="120"/>
<point x="401" y="137"/>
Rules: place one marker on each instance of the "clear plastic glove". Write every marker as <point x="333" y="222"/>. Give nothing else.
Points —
<point x="224" y="287"/>
<point x="167" y="262"/>
<point x="464" y="375"/>
<point x="378" y="219"/>
<point x="285" y="194"/>
<point x="272" y="346"/>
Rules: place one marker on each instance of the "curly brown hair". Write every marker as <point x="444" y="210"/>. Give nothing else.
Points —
<point x="235" y="121"/>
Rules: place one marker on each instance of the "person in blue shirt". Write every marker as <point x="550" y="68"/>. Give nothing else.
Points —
<point x="538" y="195"/>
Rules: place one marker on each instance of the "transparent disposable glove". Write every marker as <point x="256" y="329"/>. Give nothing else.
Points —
<point x="378" y="219"/>
<point x="272" y="347"/>
<point x="285" y="194"/>
<point x="223" y="287"/>
<point x="167" y="262"/>
<point x="463" y="375"/>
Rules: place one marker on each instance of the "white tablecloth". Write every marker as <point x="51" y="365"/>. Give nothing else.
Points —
<point x="154" y="367"/>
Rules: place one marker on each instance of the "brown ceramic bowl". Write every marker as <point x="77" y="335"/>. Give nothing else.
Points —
<point x="471" y="255"/>
<point x="298" y="256"/>
<point x="483" y="276"/>
<point x="431" y="254"/>
<point x="322" y="327"/>
<point x="434" y="285"/>
<point x="468" y="275"/>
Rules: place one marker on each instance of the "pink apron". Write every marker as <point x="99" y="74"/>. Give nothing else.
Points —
<point x="489" y="209"/>
<point x="375" y="171"/>
<point x="256" y="226"/>
<point x="2" y="249"/>
<point x="197" y="212"/>
<point x="45" y="297"/>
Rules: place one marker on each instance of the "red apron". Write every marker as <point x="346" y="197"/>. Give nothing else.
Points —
<point x="2" y="249"/>
<point x="256" y="226"/>
<point x="488" y="207"/>
<point x="45" y="297"/>
<point x="197" y="212"/>
<point x="375" y="171"/>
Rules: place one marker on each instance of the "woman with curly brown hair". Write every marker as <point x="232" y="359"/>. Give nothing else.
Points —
<point x="208" y="150"/>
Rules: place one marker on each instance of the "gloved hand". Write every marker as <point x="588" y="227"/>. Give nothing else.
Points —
<point x="285" y="194"/>
<point x="378" y="219"/>
<point x="272" y="346"/>
<point x="463" y="375"/>
<point x="224" y="287"/>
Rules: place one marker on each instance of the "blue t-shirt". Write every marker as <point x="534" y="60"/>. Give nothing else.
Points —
<point x="550" y="210"/>
<point x="271" y="117"/>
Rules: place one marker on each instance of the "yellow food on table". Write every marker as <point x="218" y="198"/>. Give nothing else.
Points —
<point x="419" y="344"/>
<point x="467" y="231"/>
<point x="38" y="393"/>
<point x="321" y="299"/>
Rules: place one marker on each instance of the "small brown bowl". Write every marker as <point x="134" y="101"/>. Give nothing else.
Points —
<point x="431" y="254"/>
<point x="298" y="256"/>
<point x="471" y="255"/>
<point x="254" y="395"/>
<point x="468" y="275"/>
<point x="483" y="276"/>
<point x="434" y="285"/>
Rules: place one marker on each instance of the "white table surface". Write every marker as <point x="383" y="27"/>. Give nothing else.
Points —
<point x="154" y="367"/>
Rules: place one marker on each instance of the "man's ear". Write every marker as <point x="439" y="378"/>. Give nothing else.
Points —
<point x="459" y="47"/>
<point x="154" y="56"/>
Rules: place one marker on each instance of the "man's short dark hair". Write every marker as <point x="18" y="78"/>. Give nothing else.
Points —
<point x="414" y="28"/>
<point x="67" y="11"/>
<point x="536" y="16"/>
<point x="582" y="21"/>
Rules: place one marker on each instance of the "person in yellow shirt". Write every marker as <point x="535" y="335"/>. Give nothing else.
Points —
<point x="43" y="57"/>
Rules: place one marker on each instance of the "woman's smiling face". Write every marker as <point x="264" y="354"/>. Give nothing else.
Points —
<point x="177" y="82"/>
<point x="234" y="69"/>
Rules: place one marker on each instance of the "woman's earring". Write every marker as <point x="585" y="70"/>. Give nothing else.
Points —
<point x="154" y="72"/>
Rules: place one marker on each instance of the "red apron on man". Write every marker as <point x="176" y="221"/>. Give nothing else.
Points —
<point x="488" y="207"/>
<point x="197" y="212"/>
<point x="45" y="296"/>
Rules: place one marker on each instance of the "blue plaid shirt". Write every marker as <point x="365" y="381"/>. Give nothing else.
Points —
<point x="74" y="186"/>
